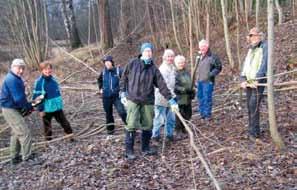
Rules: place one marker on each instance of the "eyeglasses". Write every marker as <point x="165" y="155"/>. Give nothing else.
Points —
<point x="251" y="35"/>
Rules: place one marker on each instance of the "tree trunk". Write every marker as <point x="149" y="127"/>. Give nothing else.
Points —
<point x="190" y="34"/>
<point x="257" y="13"/>
<point x="226" y="33"/>
<point x="246" y="7"/>
<point x="70" y="24"/>
<point x="173" y="25"/>
<point x="207" y="21"/>
<point x="237" y="34"/>
<point x="106" y="38"/>
<point x="241" y="7"/>
<point x="272" y="118"/>
<point x="280" y="12"/>
<point x="125" y="20"/>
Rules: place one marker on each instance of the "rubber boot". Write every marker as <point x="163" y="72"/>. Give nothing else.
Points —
<point x="145" y="146"/>
<point x="129" y="141"/>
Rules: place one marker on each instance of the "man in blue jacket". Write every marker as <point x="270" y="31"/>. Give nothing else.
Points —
<point x="109" y="87"/>
<point x="13" y="102"/>
<point x="254" y="72"/>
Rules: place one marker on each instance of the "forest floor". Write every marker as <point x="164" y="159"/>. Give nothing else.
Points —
<point x="95" y="160"/>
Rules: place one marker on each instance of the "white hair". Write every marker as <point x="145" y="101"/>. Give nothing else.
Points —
<point x="179" y="58"/>
<point x="203" y="42"/>
<point x="17" y="63"/>
<point x="168" y="52"/>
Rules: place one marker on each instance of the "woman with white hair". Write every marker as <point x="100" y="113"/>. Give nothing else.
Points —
<point x="184" y="94"/>
<point x="163" y="114"/>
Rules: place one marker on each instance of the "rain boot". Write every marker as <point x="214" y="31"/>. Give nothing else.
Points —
<point x="145" y="146"/>
<point x="130" y="137"/>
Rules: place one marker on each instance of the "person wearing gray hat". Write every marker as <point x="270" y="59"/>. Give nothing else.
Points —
<point x="14" y="102"/>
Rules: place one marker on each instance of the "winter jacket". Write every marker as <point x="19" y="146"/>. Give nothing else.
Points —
<point x="168" y="73"/>
<point x="109" y="81"/>
<point x="139" y="80"/>
<point x="49" y="87"/>
<point x="255" y="63"/>
<point x="183" y="87"/>
<point x="13" y="93"/>
<point x="209" y="66"/>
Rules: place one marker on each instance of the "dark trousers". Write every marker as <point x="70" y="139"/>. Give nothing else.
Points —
<point x="186" y="112"/>
<point x="254" y="96"/>
<point x="60" y="118"/>
<point x="108" y="108"/>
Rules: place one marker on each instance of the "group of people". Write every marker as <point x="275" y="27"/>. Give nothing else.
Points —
<point x="145" y="96"/>
<point x="15" y="106"/>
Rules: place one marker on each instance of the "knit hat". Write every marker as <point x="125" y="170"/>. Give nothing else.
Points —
<point x="108" y="58"/>
<point x="17" y="62"/>
<point x="146" y="45"/>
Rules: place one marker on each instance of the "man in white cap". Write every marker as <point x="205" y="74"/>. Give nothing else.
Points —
<point x="14" y="102"/>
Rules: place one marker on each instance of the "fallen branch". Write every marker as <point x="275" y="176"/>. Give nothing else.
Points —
<point x="200" y="156"/>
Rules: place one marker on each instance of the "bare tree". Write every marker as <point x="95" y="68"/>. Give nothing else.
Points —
<point x="174" y="25"/>
<point x="106" y="36"/>
<point x="272" y="118"/>
<point x="280" y="12"/>
<point x="70" y="24"/>
<point x="226" y="33"/>
<point x="28" y="25"/>
<point x="257" y="13"/>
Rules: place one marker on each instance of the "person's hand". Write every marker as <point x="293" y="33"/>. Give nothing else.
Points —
<point x="124" y="99"/>
<point x="243" y="85"/>
<point x="173" y="105"/>
<point x="41" y="114"/>
<point x="253" y="84"/>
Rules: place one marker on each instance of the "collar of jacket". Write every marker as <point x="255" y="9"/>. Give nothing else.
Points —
<point x="47" y="77"/>
<point x="110" y="70"/>
<point x="15" y="75"/>
<point x="256" y="45"/>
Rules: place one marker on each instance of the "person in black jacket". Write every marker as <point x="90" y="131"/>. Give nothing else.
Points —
<point x="209" y="67"/>
<point x="109" y="87"/>
<point x="139" y="78"/>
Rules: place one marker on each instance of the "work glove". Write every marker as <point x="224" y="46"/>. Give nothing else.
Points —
<point x="124" y="99"/>
<point x="38" y="100"/>
<point x="173" y="105"/>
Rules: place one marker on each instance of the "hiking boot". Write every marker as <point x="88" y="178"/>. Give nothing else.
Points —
<point x="145" y="144"/>
<point x="16" y="160"/>
<point x="34" y="160"/>
<point x="129" y="142"/>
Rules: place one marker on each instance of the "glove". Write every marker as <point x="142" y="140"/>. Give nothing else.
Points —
<point x="173" y="105"/>
<point x="38" y="100"/>
<point x="124" y="99"/>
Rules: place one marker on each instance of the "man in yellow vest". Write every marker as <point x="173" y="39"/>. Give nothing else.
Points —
<point x="254" y="72"/>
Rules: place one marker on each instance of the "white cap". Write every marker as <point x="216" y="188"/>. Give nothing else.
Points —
<point x="17" y="63"/>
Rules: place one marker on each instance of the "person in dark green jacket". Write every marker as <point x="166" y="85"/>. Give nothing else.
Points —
<point x="184" y="94"/>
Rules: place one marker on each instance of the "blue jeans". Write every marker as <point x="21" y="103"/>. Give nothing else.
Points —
<point x="204" y="96"/>
<point x="163" y="117"/>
